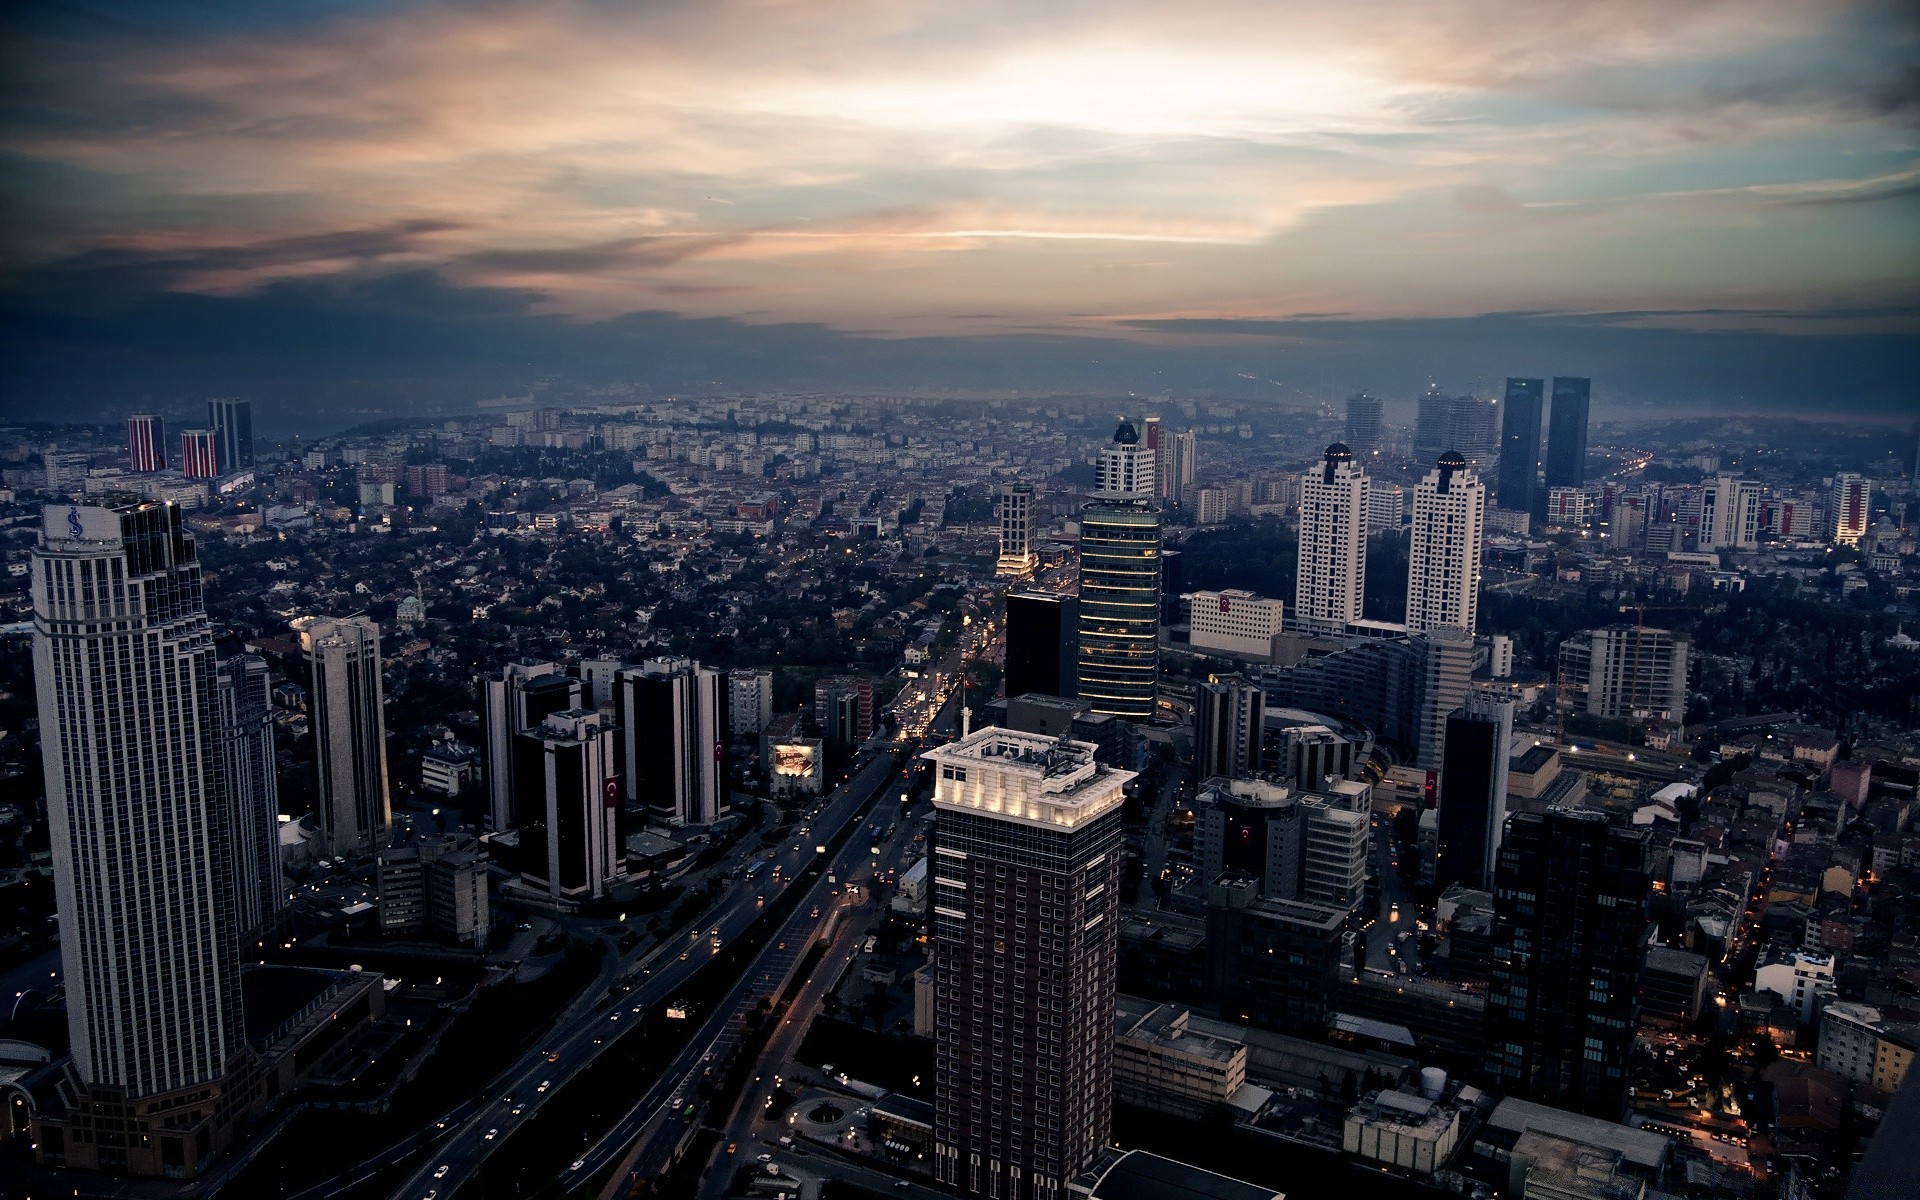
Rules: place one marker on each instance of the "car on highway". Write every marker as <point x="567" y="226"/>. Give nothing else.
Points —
<point x="577" y="1164"/>
<point x="547" y="1083"/>
<point x="491" y="1134"/>
<point x="553" y="1056"/>
<point x="441" y="1171"/>
<point x="519" y="1110"/>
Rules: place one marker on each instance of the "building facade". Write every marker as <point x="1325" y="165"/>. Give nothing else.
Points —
<point x="1363" y="424"/>
<point x="1567" y="432"/>
<point x="1443" y="559"/>
<point x="146" y="444"/>
<point x="250" y="781"/>
<point x="1473" y="791"/>
<point x="569" y="842"/>
<point x="231" y="424"/>
<point x="1848" y="509"/>
<point x="1235" y="621"/>
<point x="1330" y="584"/>
<point x="199" y="454"/>
<point x="1043" y="643"/>
<point x="513" y="700"/>
<point x="671" y="755"/>
<point x="1519" y="475"/>
<point x="1228" y="721"/>
<point x="1017" y="557"/>
<point x="1627" y="672"/>
<point x="749" y="700"/>
<point x="346" y="701"/>
<point x="1119" y="667"/>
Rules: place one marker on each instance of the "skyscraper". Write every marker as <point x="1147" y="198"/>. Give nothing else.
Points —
<point x="1443" y="561"/>
<point x="1124" y="469"/>
<point x="1473" y="429"/>
<point x="1043" y="643"/>
<point x="1119" y="667"/>
<point x="1473" y="790"/>
<point x="512" y="700"/>
<point x="1520" y="445"/>
<point x="146" y="444"/>
<point x="1431" y="424"/>
<point x="1330" y="584"/>
<point x="347" y="702"/>
<point x="1570" y="914"/>
<point x="1363" y="424"/>
<point x="251" y="783"/>
<point x="1567" y="433"/>
<point x="670" y="750"/>
<point x="199" y="457"/>
<point x="1016" y="531"/>
<point x="231" y="422"/>
<point x="1182" y="469"/>
<point x="1293" y="845"/>
<point x="127" y="692"/>
<point x="1228" y="716"/>
<point x="1026" y="904"/>
<point x="1847" y="508"/>
<point x="569" y="787"/>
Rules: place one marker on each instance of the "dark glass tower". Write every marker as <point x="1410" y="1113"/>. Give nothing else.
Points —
<point x="1473" y="790"/>
<point x="232" y="425"/>
<point x="1363" y="423"/>
<point x="1570" y="921"/>
<point x="1567" y="433"/>
<point x="1520" y="445"/>
<point x="1042" y="643"/>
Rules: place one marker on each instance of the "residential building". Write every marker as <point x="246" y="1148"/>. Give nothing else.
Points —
<point x="1234" y="621"/>
<point x="1443" y="561"/>
<point x="749" y="700"/>
<point x="1473" y="431"/>
<point x="146" y="444"/>
<point x="1848" y="511"/>
<point x="1228" y="713"/>
<point x="1330" y="583"/>
<point x="199" y="454"/>
<point x="1017" y="556"/>
<point x="1363" y="424"/>
<point x="1731" y="520"/>
<point x="1432" y="424"/>
<point x="346" y="701"/>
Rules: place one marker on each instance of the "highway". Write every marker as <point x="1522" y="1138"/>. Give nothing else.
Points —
<point x="474" y="1130"/>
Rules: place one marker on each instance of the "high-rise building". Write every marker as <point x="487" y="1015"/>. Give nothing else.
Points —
<point x="670" y="749"/>
<point x="1017" y="557"/>
<point x="1473" y="429"/>
<point x="1626" y="672"/>
<point x="1119" y="667"/>
<point x="569" y="786"/>
<point x="1567" y="432"/>
<point x="1400" y="688"/>
<point x="1520" y="445"/>
<point x="231" y="422"/>
<point x="1269" y="962"/>
<point x="1330" y="584"/>
<point x="1124" y="469"/>
<point x="1473" y="791"/>
<point x="1731" y="518"/>
<point x="1043" y="639"/>
<point x="513" y="700"/>
<point x="1443" y="560"/>
<point x="1847" y="509"/>
<point x="1295" y="845"/>
<point x="749" y="700"/>
<point x="1026" y="904"/>
<point x="1150" y="438"/>
<point x="251" y="783"/>
<point x="1568" y="508"/>
<point x="1431" y="425"/>
<point x="1234" y="621"/>
<point x="1363" y="424"/>
<point x="128" y="701"/>
<point x="1183" y="468"/>
<point x="146" y="444"/>
<point x="199" y="455"/>
<point x="347" y="706"/>
<point x="1570" y="915"/>
<point x="1228" y="715"/>
<point x="843" y="708"/>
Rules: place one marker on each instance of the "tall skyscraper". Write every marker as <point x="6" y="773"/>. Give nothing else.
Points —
<point x="1432" y="424"/>
<point x="1182" y="469"/>
<point x="1119" y="670"/>
<point x="231" y="422"/>
<point x="146" y="444"/>
<point x="1017" y="557"/>
<point x="569" y="787"/>
<point x="1443" y="562"/>
<point x="1228" y="723"/>
<point x="1043" y="644"/>
<point x="512" y="700"/>
<point x="251" y="783"/>
<point x="346" y="700"/>
<point x="1473" y="429"/>
<point x="1847" y="508"/>
<point x="1731" y="520"/>
<point x="1567" y="432"/>
<point x="670" y="748"/>
<point x="127" y="692"/>
<point x="1293" y="845"/>
<point x="199" y="456"/>
<point x="1518" y="478"/>
<point x="1330" y="584"/>
<point x="1363" y="424"/>
<point x="1570" y="914"/>
<point x="1026" y="904"/>
<point x="1473" y="790"/>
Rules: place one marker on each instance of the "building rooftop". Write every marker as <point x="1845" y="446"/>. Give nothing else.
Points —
<point x="1026" y="777"/>
<point x="1638" y="1146"/>
<point x="1138" y="1175"/>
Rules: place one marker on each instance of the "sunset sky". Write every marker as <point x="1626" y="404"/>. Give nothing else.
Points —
<point x="1334" y="194"/>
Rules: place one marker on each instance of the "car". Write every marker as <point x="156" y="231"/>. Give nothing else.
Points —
<point x="553" y="1056"/>
<point x="430" y="1194"/>
<point x="683" y="956"/>
<point x="519" y="1109"/>
<point x="733" y="1147"/>
<point x="491" y="1134"/>
<point x="766" y="1158"/>
<point x="441" y="1171"/>
<point x="544" y="1085"/>
<point x="577" y="1164"/>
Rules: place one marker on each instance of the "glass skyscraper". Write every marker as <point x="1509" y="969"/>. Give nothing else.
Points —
<point x="1567" y="433"/>
<point x="1120" y="583"/>
<point x="1517" y="480"/>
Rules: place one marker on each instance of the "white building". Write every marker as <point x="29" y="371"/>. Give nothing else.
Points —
<point x="749" y="699"/>
<point x="1017" y="557"/>
<point x="1331" y="580"/>
<point x="1798" y="979"/>
<point x="1730" y="514"/>
<point x="1569" y="507"/>
<point x="1443" y="558"/>
<point x="346" y="701"/>
<point x="1849" y="1039"/>
<point x="1125" y="468"/>
<point x="1210" y="505"/>
<point x="1402" y="1130"/>
<point x="1847" y="508"/>
<point x="1236" y="621"/>
<point x="1386" y="509"/>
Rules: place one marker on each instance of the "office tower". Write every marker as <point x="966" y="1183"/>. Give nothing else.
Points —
<point x="252" y="791"/>
<point x="346" y="703"/>
<point x="1228" y="711"/>
<point x="1363" y="424"/>
<point x="1308" y="756"/>
<point x="1016" y="531"/>
<point x="1173" y="583"/>
<point x="1330" y="584"/>
<point x="1626" y="672"/>
<point x="1026" y="905"/>
<point x="1473" y="791"/>
<point x="1732" y="517"/>
<point x="670" y="747"/>
<point x="1043" y="638"/>
<point x="843" y="708"/>
<point x="512" y="700"/>
<point x="596" y="682"/>
<point x="1294" y="845"/>
<point x="199" y="457"/>
<point x="146" y="444"/>
<point x="1567" y="433"/>
<point x="1431" y="424"/>
<point x="1473" y="429"/>
<point x="1150" y="438"/>
<point x="1182" y="468"/>
<point x="569" y="786"/>
<point x="1400" y="688"/>
<point x="1443" y="560"/>
<point x="749" y="700"/>
<point x="1847" y="509"/>
<point x="1520" y="445"/>
<point x="126" y="686"/>
<point x="231" y="422"/>
<point x="1271" y="963"/>
<point x="1630" y="521"/>
<point x="1119" y="666"/>
<point x="1570" y="913"/>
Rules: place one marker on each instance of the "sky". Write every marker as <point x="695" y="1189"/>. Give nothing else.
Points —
<point x="358" y="205"/>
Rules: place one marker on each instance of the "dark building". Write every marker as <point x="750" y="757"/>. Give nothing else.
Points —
<point x="513" y="700"/>
<point x="1026" y="874"/>
<point x="1430" y="426"/>
<point x="251" y="789"/>
<point x="1673" y="985"/>
<point x="1567" y="433"/>
<point x="1042" y="643"/>
<point x="570" y="796"/>
<point x="1173" y="581"/>
<point x="1518" y="479"/>
<point x="1271" y="963"/>
<point x="232" y="424"/>
<point x="1363" y="424"/>
<point x="1570" y="919"/>
<point x="1473" y="791"/>
<point x="1228" y="723"/>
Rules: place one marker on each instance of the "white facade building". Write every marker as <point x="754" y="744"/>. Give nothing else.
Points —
<point x="1847" y="508"/>
<point x="1798" y="979"/>
<point x="1125" y="469"/>
<point x="1331" y="581"/>
<point x="749" y="700"/>
<point x="1443" y="559"/>
<point x="1017" y="557"/>
<point x="1236" y="621"/>
<point x="1730" y="519"/>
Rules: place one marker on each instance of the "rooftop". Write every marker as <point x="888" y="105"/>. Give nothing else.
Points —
<point x="1138" y="1175"/>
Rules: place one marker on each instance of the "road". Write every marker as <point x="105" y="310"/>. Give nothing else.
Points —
<point x="474" y="1130"/>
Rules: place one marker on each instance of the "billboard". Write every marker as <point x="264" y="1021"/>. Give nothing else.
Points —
<point x="796" y="759"/>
